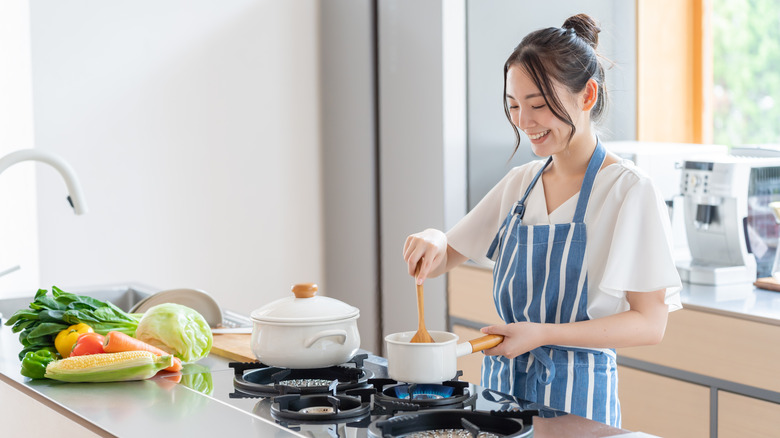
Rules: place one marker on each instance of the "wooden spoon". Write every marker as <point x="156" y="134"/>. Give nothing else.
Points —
<point x="422" y="335"/>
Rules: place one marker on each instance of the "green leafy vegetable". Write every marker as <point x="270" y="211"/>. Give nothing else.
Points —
<point x="48" y="315"/>
<point x="176" y="329"/>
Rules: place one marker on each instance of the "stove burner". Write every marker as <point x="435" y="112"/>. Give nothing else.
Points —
<point x="455" y="423"/>
<point x="318" y="410"/>
<point x="322" y="408"/>
<point x="260" y="380"/>
<point x="305" y="383"/>
<point x="448" y="433"/>
<point x="392" y="397"/>
<point x="422" y="392"/>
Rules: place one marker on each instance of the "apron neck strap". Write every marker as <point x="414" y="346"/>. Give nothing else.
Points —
<point x="596" y="160"/>
<point x="533" y="181"/>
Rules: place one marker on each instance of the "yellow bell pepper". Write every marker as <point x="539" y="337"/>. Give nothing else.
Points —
<point x="67" y="338"/>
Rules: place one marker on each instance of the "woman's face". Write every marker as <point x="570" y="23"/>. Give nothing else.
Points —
<point x="531" y="114"/>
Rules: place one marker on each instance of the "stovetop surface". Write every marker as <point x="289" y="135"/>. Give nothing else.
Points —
<point x="476" y="398"/>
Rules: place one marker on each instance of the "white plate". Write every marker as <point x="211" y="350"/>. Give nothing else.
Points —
<point x="195" y="299"/>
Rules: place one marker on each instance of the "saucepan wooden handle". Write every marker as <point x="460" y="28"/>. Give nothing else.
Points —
<point x="485" y="342"/>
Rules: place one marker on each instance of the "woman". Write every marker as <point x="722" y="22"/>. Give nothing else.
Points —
<point x="580" y="241"/>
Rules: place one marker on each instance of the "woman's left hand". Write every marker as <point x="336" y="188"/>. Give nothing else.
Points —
<point x="519" y="338"/>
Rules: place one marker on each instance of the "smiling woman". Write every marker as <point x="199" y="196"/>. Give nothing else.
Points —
<point x="542" y="83"/>
<point x="568" y="237"/>
<point x="496" y="26"/>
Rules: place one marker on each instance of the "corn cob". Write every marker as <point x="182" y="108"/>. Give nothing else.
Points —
<point x="108" y="367"/>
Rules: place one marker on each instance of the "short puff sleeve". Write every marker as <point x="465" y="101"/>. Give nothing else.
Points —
<point x="640" y="257"/>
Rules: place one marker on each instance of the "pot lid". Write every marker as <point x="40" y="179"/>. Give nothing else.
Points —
<point x="304" y="307"/>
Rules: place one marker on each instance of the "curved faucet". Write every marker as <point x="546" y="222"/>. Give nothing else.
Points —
<point x="76" y="196"/>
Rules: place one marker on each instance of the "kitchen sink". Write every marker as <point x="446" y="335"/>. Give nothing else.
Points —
<point x="123" y="296"/>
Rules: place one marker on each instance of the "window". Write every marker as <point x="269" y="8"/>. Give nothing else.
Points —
<point x="746" y="72"/>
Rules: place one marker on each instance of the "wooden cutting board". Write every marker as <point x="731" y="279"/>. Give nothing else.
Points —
<point x="234" y="347"/>
<point x="768" y="283"/>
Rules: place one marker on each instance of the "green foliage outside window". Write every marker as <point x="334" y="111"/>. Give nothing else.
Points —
<point x="746" y="70"/>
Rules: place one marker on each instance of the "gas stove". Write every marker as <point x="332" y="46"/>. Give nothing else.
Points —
<point x="357" y="399"/>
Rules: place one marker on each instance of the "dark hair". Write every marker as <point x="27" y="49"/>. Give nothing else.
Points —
<point x="567" y="55"/>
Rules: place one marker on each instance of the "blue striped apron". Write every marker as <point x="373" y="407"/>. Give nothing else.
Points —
<point x="541" y="275"/>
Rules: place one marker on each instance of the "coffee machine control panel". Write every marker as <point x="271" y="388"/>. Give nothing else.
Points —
<point x="696" y="178"/>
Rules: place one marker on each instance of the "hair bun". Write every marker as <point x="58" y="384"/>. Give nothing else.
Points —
<point x="585" y="27"/>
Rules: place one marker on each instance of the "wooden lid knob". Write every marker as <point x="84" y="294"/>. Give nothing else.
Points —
<point x="304" y="290"/>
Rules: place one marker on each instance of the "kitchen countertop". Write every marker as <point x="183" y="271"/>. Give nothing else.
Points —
<point x="743" y="301"/>
<point x="159" y="407"/>
<point x="151" y="408"/>
<point x="147" y="407"/>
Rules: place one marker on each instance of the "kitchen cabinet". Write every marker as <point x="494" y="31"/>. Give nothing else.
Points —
<point x="470" y="304"/>
<point x="684" y="407"/>
<point x="714" y="371"/>
<point x="22" y="414"/>
<point x="740" y="416"/>
<point x="718" y="346"/>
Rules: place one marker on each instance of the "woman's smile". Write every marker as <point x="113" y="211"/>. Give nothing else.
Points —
<point x="538" y="137"/>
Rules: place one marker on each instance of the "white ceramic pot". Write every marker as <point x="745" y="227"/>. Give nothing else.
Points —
<point x="430" y="362"/>
<point x="305" y="331"/>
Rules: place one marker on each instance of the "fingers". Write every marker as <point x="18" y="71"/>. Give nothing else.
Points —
<point x="500" y="349"/>
<point x="426" y="248"/>
<point x="427" y="263"/>
<point x="494" y="330"/>
<point x="419" y="252"/>
<point x="492" y="351"/>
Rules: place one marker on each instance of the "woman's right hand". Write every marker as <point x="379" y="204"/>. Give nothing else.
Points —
<point x="430" y="246"/>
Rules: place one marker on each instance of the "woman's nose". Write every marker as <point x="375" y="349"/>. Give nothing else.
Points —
<point x="523" y="121"/>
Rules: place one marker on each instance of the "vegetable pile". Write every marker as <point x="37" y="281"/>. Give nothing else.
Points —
<point x="49" y="315"/>
<point x="77" y="338"/>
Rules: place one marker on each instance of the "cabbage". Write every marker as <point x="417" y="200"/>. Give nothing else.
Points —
<point x="177" y="329"/>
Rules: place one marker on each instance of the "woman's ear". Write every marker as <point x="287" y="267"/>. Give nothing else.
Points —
<point x="590" y="97"/>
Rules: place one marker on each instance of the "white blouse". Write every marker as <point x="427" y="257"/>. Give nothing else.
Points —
<point x="629" y="246"/>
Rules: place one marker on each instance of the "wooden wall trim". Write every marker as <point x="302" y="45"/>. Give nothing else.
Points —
<point x="671" y="69"/>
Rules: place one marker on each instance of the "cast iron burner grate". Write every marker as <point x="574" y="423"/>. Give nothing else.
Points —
<point x="254" y="379"/>
<point x="455" y="423"/>
<point x="329" y="408"/>
<point x="392" y="397"/>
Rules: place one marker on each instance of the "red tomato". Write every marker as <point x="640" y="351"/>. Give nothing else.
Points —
<point x="88" y="343"/>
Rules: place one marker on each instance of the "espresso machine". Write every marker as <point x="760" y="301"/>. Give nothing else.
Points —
<point x="730" y="228"/>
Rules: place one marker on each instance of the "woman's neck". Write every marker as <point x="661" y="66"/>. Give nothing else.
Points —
<point x="575" y="158"/>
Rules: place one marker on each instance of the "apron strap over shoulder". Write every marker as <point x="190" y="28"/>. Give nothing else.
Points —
<point x="518" y="209"/>
<point x="587" y="183"/>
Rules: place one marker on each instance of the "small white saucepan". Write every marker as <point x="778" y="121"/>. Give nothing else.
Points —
<point x="430" y="362"/>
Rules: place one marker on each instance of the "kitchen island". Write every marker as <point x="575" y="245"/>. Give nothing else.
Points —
<point x="197" y="403"/>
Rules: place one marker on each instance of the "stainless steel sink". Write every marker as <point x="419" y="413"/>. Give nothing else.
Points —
<point x="123" y="296"/>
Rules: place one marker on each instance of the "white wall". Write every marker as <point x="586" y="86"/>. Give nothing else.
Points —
<point x="18" y="220"/>
<point x="194" y="128"/>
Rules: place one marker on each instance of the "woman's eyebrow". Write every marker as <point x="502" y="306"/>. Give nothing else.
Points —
<point x="529" y="96"/>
